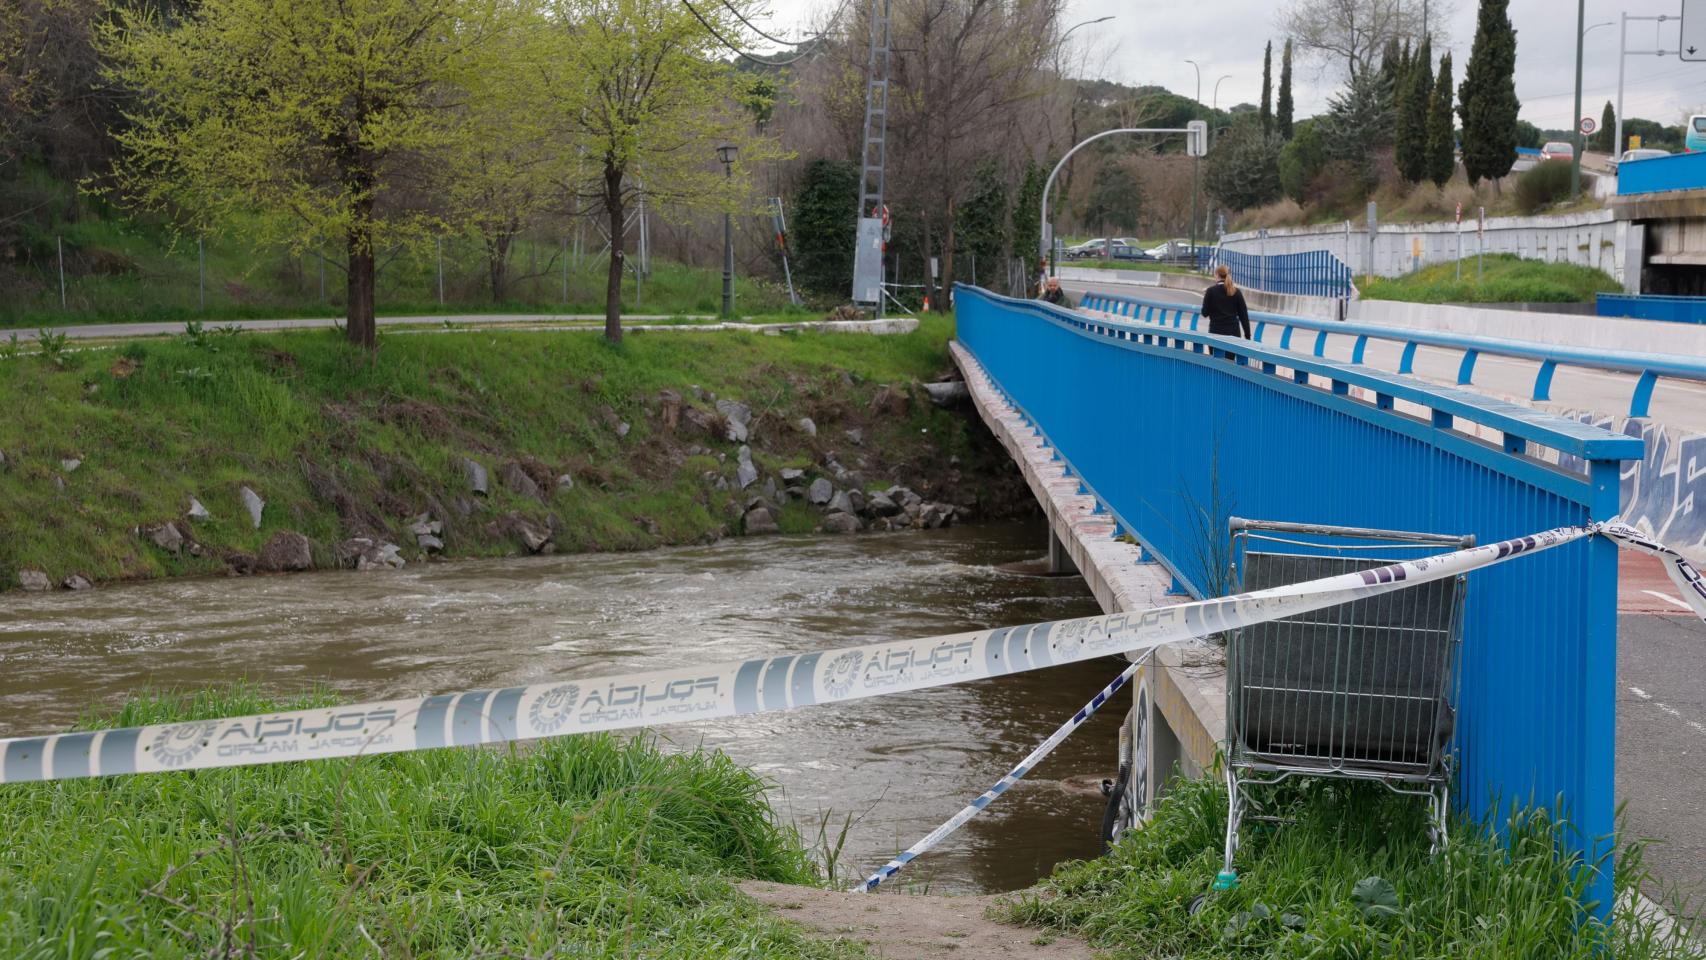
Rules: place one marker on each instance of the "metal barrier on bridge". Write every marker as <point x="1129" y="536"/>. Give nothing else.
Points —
<point x="1648" y="366"/>
<point x="1651" y="307"/>
<point x="1313" y="273"/>
<point x="1172" y="430"/>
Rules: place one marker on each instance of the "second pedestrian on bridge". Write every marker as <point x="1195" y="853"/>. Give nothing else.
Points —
<point x="1223" y="305"/>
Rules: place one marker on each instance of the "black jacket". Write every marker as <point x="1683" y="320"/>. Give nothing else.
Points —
<point x="1059" y="297"/>
<point x="1227" y="315"/>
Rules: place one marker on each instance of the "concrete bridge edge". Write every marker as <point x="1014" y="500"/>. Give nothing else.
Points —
<point x="1183" y="688"/>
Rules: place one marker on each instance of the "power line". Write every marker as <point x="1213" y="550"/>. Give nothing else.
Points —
<point x="812" y="48"/>
<point x="749" y="25"/>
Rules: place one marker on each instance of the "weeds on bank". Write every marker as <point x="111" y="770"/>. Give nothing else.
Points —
<point x="579" y="847"/>
<point x="1350" y="878"/>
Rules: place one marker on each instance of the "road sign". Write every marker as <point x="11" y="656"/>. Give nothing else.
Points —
<point x="1587" y="126"/>
<point x="1693" y="42"/>
<point x="1196" y="138"/>
<point x="1634" y="141"/>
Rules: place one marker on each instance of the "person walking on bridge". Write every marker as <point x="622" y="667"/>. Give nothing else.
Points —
<point x="1052" y="293"/>
<point x="1223" y="305"/>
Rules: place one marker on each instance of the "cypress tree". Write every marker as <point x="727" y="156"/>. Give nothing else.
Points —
<point x="1607" y="131"/>
<point x="1441" y="158"/>
<point x="1285" y="106"/>
<point x="1268" y="90"/>
<point x="1486" y="100"/>
<point x="1414" y="99"/>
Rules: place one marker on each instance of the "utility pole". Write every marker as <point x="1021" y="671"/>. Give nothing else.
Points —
<point x="872" y="216"/>
<point x="1576" y="118"/>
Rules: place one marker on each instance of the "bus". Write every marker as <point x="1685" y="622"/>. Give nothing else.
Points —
<point x="1694" y="138"/>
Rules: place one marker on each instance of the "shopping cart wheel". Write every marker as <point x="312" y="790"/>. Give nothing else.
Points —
<point x="1114" y="814"/>
<point x="1195" y="904"/>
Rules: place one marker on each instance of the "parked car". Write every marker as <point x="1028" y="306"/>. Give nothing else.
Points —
<point x="1557" y="150"/>
<point x="1123" y="251"/>
<point x="1694" y="135"/>
<point x="1089" y="248"/>
<point x="1176" y="249"/>
<point x="1645" y="153"/>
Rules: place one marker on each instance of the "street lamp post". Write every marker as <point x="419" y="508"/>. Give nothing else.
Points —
<point x="1216" y="101"/>
<point x="1086" y="23"/>
<point x="1196" y="167"/>
<point x="726" y="153"/>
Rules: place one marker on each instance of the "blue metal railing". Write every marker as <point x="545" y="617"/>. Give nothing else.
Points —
<point x="1313" y="273"/>
<point x="1173" y="430"/>
<point x="1652" y="307"/>
<point x="1648" y="366"/>
<point x="1682" y="171"/>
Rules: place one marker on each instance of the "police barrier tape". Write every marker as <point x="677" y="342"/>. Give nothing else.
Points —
<point x="1676" y="566"/>
<point x="1013" y="776"/>
<point x="587" y="705"/>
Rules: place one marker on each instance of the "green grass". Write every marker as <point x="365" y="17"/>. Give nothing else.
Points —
<point x="1506" y="278"/>
<point x="582" y="847"/>
<point x="340" y="443"/>
<point x="125" y="269"/>
<point x="1306" y="889"/>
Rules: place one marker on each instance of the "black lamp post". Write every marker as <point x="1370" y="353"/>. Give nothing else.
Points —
<point x="726" y="153"/>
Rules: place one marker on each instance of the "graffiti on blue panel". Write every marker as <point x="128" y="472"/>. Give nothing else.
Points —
<point x="1664" y="493"/>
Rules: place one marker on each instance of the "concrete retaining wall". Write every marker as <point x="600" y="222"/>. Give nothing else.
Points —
<point x="1593" y="238"/>
<point x="1294" y="305"/>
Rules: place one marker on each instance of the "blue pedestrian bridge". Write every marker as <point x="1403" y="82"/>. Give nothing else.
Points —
<point x="1173" y="431"/>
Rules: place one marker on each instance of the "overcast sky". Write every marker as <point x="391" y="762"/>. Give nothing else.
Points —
<point x="1148" y="40"/>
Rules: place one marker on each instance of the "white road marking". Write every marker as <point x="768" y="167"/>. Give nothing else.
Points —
<point x="1668" y="599"/>
<point x="1667" y="708"/>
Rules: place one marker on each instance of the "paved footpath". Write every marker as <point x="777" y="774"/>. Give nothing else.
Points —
<point x="526" y="321"/>
<point x="1679" y="404"/>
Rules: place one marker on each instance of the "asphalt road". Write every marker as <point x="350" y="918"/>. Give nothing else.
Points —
<point x="1661" y="750"/>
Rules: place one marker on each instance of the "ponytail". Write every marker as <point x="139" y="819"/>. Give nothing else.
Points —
<point x="1225" y="276"/>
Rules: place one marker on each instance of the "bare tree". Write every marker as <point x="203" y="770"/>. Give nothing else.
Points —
<point x="1350" y="34"/>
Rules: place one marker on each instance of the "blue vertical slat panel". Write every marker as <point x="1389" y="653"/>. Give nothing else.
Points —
<point x="1536" y="710"/>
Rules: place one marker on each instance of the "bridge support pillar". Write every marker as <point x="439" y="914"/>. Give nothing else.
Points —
<point x="1059" y="561"/>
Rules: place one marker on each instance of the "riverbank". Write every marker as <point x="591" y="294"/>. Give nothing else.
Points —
<point x="581" y="846"/>
<point x="213" y="452"/>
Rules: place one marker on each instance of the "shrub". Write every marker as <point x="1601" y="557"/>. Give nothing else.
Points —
<point x="1546" y="184"/>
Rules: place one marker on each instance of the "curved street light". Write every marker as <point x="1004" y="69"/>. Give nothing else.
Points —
<point x="1084" y="24"/>
<point x="1216" y="105"/>
<point x="1198" y="69"/>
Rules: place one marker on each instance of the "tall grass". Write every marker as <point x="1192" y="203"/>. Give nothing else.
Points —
<point x="585" y="846"/>
<point x="1350" y="877"/>
<point x="1495" y="278"/>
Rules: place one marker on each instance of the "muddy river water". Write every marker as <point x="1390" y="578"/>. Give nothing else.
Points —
<point x="899" y="764"/>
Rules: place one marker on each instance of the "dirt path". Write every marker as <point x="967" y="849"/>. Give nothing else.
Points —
<point x="903" y="927"/>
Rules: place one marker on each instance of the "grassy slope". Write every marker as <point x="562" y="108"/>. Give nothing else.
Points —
<point x="339" y="444"/>
<point x="1298" y="887"/>
<point x="1506" y="279"/>
<point x="584" y="846"/>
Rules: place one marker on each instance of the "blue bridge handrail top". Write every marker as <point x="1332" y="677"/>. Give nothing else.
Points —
<point x="1622" y="361"/>
<point x="1568" y="436"/>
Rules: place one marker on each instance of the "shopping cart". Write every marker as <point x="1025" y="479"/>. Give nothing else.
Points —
<point x="1363" y="690"/>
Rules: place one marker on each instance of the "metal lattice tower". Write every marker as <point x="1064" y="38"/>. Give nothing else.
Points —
<point x="875" y="154"/>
